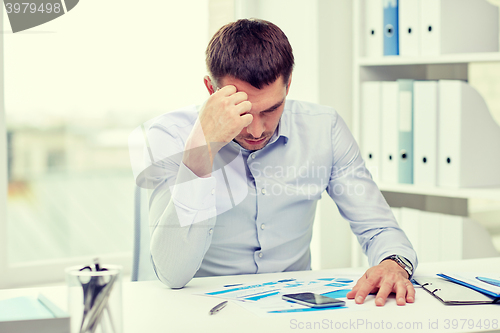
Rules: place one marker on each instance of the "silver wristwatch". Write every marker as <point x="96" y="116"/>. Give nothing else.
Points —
<point x="403" y="262"/>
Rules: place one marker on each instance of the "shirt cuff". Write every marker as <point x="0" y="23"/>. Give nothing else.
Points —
<point x="194" y="197"/>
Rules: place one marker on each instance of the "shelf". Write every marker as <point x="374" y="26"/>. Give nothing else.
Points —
<point x="441" y="59"/>
<point x="466" y="193"/>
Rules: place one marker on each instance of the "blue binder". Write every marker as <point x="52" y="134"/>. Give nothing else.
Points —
<point x="405" y="158"/>
<point x="391" y="28"/>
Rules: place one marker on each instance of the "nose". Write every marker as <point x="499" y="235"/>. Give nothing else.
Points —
<point x="256" y="127"/>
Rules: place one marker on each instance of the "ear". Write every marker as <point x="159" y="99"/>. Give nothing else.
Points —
<point x="208" y="84"/>
<point x="288" y="84"/>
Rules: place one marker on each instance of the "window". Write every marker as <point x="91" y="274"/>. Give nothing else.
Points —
<point x="74" y="89"/>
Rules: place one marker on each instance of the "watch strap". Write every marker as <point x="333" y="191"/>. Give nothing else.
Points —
<point x="403" y="263"/>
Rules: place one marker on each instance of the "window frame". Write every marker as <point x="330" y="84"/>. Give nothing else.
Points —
<point x="4" y="269"/>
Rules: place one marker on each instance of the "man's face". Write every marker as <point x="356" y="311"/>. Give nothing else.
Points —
<point x="267" y="106"/>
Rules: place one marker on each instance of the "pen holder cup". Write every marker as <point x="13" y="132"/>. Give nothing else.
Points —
<point x="95" y="299"/>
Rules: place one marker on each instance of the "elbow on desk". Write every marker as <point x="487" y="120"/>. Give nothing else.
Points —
<point x="173" y="281"/>
<point x="176" y="284"/>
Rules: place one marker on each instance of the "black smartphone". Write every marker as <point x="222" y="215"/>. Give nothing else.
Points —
<point x="313" y="300"/>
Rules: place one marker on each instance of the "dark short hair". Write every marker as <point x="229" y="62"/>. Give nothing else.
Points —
<point x="251" y="50"/>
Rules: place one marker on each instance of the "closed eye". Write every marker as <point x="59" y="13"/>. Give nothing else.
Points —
<point x="274" y="107"/>
<point x="269" y="111"/>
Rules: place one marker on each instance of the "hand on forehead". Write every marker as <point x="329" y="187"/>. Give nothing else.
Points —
<point x="268" y="97"/>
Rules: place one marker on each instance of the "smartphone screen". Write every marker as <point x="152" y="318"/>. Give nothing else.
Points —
<point x="313" y="300"/>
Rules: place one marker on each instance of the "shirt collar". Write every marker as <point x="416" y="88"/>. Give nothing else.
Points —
<point x="283" y="128"/>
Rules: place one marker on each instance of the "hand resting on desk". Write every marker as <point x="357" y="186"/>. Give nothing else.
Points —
<point x="384" y="278"/>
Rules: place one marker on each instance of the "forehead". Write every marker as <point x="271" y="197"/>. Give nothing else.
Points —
<point x="262" y="98"/>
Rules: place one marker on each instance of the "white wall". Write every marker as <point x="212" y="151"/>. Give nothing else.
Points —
<point x="335" y="56"/>
<point x="298" y="20"/>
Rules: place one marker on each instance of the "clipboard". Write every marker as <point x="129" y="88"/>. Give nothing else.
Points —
<point x="479" y="282"/>
<point x="450" y="293"/>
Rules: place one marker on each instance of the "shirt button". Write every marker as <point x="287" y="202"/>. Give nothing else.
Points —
<point x="213" y="191"/>
<point x="260" y="255"/>
<point x="253" y="155"/>
<point x="263" y="191"/>
<point x="262" y="226"/>
<point x="210" y="231"/>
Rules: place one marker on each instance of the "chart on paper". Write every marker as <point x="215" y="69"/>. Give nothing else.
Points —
<point x="264" y="299"/>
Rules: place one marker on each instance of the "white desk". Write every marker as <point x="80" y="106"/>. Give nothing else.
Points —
<point x="151" y="307"/>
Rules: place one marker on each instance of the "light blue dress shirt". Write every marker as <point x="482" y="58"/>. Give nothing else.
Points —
<point x="255" y="213"/>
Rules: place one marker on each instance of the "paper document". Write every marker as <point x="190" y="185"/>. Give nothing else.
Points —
<point x="264" y="299"/>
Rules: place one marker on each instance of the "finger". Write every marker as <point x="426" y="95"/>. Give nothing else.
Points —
<point x="410" y="292"/>
<point x="384" y="291"/>
<point x="238" y="97"/>
<point x="401" y="292"/>
<point x="368" y="286"/>
<point x="227" y="90"/>
<point x="243" y="107"/>
<point x="353" y="292"/>
<point x="246" y="119"/>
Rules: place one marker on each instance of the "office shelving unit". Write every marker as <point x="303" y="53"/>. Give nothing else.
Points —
<point x="390" y="68"/>
<point x="462" y="58"/>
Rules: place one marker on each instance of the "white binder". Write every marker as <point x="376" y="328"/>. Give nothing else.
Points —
<point x="373" y="28"/>
<point x="409" y="41"/>
<point x="409" y="222"/>
<point x="452" y="237"/>
<point x="468" y="138"/>
<point x="425" y="116"/>
<point x="430" y="237"/>
<point x="464" y="238"/>
<point x="390" y="132"/>
<point x="396" y="211"/>
<point x="441" y="237"/>
<point x="405" y="132"/>
<point x="430" y="27"/>
<point x="458" y="26"/>
<point x="477" y="241"/>
<point x="370" y="127"/>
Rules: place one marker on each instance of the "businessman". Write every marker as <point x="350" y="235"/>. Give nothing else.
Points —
<point x="236" y="181"/>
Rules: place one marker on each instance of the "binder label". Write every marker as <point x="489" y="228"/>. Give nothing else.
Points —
<point x="405" y="107"/>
